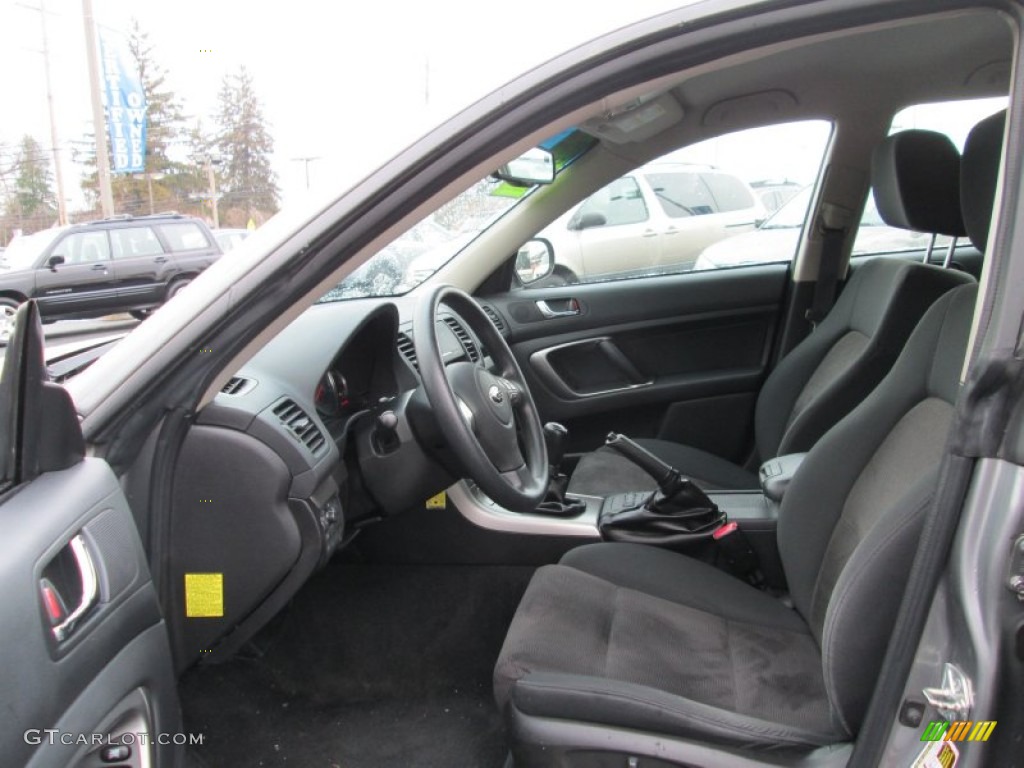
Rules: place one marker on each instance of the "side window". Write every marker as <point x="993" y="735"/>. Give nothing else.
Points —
<point x="621" y="202"/>
<point x="184" y="236"/>
<point x="955" y="119"/>
<point x="735" y="200"/>
<point x="131" y="242"/>
<point x="83" y="248"/>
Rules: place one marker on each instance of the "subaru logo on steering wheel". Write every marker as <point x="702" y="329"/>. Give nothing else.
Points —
<point x="496" y="395"/>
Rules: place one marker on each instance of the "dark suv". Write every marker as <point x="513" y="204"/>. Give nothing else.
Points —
<point x="123" y="264"/>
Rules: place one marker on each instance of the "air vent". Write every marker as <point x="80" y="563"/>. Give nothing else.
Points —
<point x="237" y="385"/>
<point x="408" y="350"/>
<point x="495" y="317"/>
<point x="298" y="422"/>
<point x="464" y="338"/>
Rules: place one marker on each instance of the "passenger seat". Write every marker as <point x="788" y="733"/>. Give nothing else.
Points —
<point x="916" y="177"/>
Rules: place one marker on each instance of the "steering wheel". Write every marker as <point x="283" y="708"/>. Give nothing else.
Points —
<point x="489" y="419"/>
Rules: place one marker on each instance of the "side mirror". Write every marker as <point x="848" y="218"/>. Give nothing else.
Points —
<point x="55" y="261"/>
<point x="587" y="221"/>
<point x="534" y="261"/>
<point x="535" y="166"/>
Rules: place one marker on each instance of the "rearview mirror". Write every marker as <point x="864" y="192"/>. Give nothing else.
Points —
<point x="534" y="261"/>
<point x="535" y="166"/>
<point x="55" y="261"/>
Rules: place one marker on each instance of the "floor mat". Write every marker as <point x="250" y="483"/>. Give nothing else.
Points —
<point x="373" y="666"/>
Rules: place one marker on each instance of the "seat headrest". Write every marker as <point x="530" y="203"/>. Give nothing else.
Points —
<point x="978" y="173"/>
<point x="916" y="179"/>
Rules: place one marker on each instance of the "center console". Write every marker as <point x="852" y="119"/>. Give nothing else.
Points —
<point x="738" y="527"/>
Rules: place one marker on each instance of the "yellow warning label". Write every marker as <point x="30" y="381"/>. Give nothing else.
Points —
<point x="204" y="595"/>
<point x="437" y="502"/>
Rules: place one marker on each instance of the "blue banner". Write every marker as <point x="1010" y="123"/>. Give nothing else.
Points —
<point x="126" y="104"/>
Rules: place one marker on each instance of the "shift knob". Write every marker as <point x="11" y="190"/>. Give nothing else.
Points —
<point x="556" y="437"/>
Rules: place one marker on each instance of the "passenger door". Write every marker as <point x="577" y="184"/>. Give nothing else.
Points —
<point x="86" y="280"/>
<point x="679" y="356"/>
<point x="86" y="663"/>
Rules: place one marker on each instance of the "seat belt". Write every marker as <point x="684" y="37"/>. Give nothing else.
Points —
<point x="833" y="237"/>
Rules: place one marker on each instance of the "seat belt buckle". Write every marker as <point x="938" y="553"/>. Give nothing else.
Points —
<point x="739" y="557"/>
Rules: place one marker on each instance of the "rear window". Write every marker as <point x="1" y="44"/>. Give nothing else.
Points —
<point x="134" y="241"/>
<point x="184" y="236"/>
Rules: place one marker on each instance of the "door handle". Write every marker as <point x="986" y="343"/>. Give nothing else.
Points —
<point x="649" y="233"/>
<point x="571" y="308"/>
<point x="90" y="589"/>
<point x="99" y="267"/>
<point x="160" y="259"/>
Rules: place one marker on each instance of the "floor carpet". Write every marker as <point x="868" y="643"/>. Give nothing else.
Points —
<point x="371" y="666"/>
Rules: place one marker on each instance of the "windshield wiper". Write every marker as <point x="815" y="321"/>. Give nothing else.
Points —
<point x="662" y="196"/>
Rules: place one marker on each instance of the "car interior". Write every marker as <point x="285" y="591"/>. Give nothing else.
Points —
<point x="663" y="520"/>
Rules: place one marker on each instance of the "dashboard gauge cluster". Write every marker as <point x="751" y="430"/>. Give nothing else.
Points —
<point x="332" y="398"/>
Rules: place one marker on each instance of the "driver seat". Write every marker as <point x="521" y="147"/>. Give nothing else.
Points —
<point x="635" y="651"/>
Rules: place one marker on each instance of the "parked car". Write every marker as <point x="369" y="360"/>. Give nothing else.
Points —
<point x="230" y="237"/>
<point x="655" y="220"/>
<point x="122" y="264"/>
<point x="776" y="238"/>
<point x="775" y="194"/>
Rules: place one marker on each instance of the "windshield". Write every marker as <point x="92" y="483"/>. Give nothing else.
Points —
<point x="25" y="249"/>
<point x="429" y="244"/>
<point x="432" y="242"/>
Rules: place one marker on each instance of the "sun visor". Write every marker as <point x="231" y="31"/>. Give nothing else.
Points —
<point x="636" y="121"/>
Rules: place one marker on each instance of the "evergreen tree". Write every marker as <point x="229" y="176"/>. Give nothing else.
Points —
<point x="29" y="200"/>
<point x="248" y="183"/>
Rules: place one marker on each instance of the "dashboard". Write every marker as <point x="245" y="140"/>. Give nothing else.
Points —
<point x="323" y="432"/>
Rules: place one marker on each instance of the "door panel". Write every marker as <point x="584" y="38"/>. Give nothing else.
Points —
<point x="680" y="357"/>
<point x="36" y="524"/>
<point x="85" y="648"/>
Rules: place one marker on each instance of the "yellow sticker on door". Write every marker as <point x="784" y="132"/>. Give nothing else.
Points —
<point x="204" y="595"/>
<point x="437" y="502"/>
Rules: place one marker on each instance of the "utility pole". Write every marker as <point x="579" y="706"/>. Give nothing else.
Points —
<point x="58" y="175"/>
<point x="98" y="122"/>
<point x="307" y="161"/>
<point x="212" y="178"/>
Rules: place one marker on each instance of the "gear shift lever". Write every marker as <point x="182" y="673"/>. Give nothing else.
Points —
<point x="555" y="438"/>
<point x="677" y="511"/>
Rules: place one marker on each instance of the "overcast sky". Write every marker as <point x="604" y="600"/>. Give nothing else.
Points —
<point x="350" y="83"/>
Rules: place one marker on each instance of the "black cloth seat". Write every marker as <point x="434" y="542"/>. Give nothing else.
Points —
<point x="916" y="182"/>
<point x="628" y="649"/>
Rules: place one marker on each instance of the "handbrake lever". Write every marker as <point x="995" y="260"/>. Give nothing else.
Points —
<point x="668" y="477"/>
